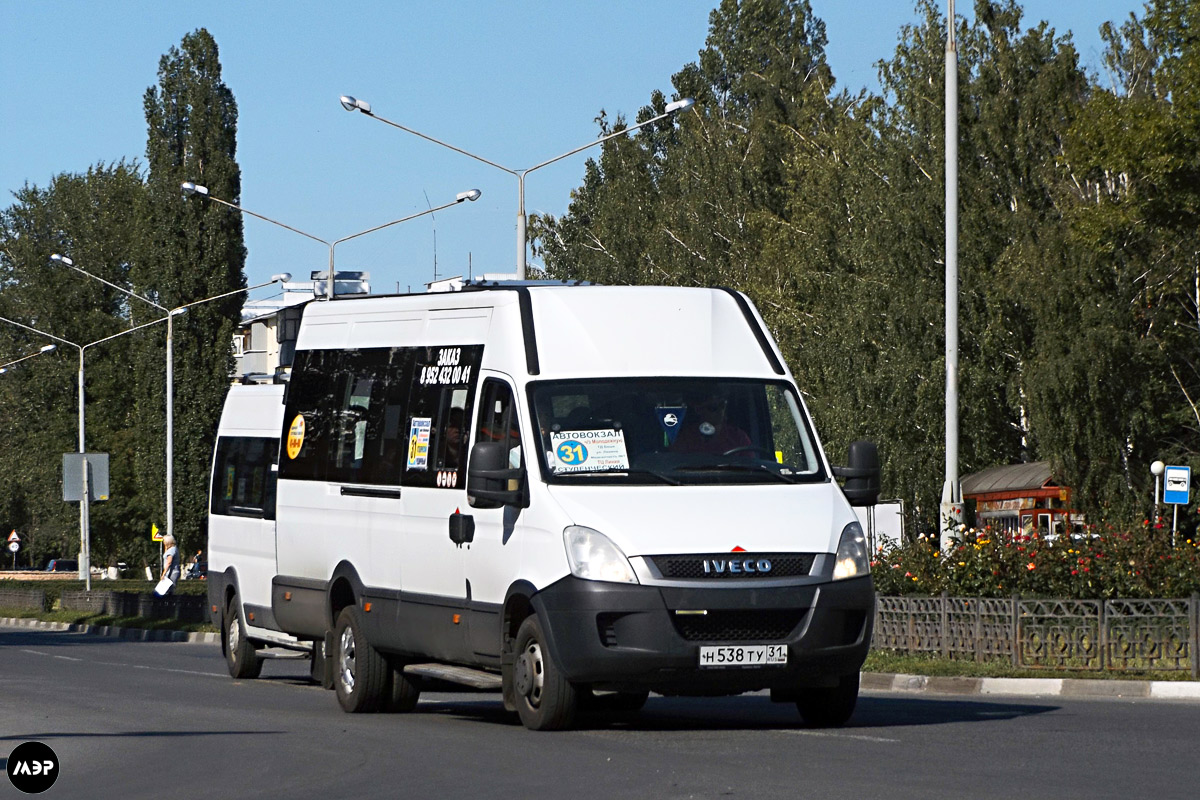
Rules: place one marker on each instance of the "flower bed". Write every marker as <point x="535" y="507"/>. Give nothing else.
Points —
<point x="1102" y="563"/>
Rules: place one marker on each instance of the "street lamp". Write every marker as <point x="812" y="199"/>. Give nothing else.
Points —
<point x="47" y="349"/>
<point x="354" y="104"/>
<point x="189" y="189"/>
<point x="1157" y="469"/>
<point x="84" y="535"/>
<point x="168" y="315"/>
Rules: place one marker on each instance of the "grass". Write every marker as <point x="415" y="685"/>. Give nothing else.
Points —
<point x="937" y="666"/>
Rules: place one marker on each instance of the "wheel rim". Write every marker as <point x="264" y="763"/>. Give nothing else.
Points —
<point x="531" y="668"/>
<point x="346" y="660"/>
<point x="235" y="635"/>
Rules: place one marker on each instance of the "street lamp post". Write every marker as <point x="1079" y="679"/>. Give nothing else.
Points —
<point x="47" y="349"/>
<point x="354" y="104"/>
<point x="952" y="510"/>
<point x="84" y="536"/>
<point x="189" y="189"/>
<point x="168" y="315"/>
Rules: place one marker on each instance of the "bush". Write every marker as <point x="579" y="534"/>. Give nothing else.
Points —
<point x="1102" y="563"/>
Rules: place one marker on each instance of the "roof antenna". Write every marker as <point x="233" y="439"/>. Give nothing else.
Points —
<point x="433" y="222"/>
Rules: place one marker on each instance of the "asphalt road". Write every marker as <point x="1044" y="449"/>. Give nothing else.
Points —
<point x="164" y="720"/>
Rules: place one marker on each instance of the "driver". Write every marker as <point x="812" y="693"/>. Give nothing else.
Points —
<point x="706" y="430"/>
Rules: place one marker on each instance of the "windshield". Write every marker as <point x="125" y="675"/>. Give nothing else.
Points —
<point x="673" y="431"/>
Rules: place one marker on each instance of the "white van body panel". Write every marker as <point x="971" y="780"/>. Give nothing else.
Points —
<point x="246" y="545"/>
<point x="643" y="520"/>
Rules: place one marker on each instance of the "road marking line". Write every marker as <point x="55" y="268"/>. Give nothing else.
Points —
<point x="829" y="735"/>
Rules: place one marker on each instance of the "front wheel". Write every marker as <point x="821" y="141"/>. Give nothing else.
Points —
<point x="403" y="693"/>
<point x="240" y="654"/>
<point x="545" y="699"/>
<point x="829" y="706"/>
<point x="360" y="673"/>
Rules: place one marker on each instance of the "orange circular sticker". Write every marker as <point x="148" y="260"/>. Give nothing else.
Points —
<point x="295" y="438"/>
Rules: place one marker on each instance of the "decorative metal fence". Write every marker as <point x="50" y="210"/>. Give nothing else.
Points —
<point x="1117" y="635"/>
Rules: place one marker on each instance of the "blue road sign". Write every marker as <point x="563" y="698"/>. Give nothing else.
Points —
<point x="1177" y="485"/>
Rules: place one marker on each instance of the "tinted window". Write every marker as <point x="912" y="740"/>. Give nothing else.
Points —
<point x="367" y="442"/>
<point x="309" y="419"/>
<point x="498" y="419"/>
<point x="441" y="399"/>
<point x="244" y="478"/>
<point x="380" y="415"/>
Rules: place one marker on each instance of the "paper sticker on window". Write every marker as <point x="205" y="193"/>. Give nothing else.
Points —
<point x="418" y="443"/>
<point x="588" y="451"/>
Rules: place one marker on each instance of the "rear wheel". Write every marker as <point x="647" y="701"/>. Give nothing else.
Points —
<point x="240" y="654"/>
<point x="829" y="706"/>
<point x="545" y="699"/>
<point x="360" y="672"/>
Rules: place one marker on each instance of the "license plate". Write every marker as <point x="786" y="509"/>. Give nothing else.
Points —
<point x="754" y="655"/>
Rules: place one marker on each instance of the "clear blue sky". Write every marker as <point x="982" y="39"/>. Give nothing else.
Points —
<point x="516" y="82"/>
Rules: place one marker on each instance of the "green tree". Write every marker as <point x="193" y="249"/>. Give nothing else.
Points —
<point x="96" y="218"/>
<point x="1133" y="157"/>
<point x="195" y="251"/>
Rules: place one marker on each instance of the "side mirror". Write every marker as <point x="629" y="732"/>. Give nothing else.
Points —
<point x="861" y="475"/>
<point x="491" y="482"/>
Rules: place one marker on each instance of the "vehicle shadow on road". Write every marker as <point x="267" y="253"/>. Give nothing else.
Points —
<point x="50" y="735"/>
<point x="749" y="713"/>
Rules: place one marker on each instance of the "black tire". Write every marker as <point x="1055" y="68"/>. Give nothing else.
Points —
<point x="361" y="675"/>
<point x="829" y="707"/>
<point x="402" y="694"/>
<point x="240" y="654"/>
<point x="545" y="699"/>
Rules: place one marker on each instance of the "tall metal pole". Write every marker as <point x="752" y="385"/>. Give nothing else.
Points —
<point x="952" y="511"/>
<point x="85" y="566"/>
<point x="170" y="425"/>
<point x="522" y="244"/>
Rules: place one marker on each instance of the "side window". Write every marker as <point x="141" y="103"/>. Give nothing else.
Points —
<point x="344" y="417"/>
<point x="438" y="422"/>
<point x="308" y="420"/>
<point x="244" y="477"/>
<point x="498" y="419"/>
<point x="368" y="442"/>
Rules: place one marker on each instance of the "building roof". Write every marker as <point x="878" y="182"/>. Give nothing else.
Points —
<point x="1009" y="478"/>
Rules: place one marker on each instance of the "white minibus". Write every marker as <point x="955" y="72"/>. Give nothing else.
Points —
<point x="577" y="494"/>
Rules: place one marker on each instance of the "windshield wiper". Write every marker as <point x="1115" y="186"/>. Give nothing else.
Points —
<point x="652" y="473"/>
<point x="737" y="467"/>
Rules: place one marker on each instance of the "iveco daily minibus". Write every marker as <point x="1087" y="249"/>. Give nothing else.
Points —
<point x="581" y="494"/>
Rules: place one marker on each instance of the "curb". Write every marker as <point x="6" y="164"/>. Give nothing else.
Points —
<point x="871" y="681"/>
<point x="111" y="631"/>
<point x="1031" y="687"/>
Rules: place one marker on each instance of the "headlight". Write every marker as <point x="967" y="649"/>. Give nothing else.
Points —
<point x="851" y="560"/>
<point x="593" y="557"/>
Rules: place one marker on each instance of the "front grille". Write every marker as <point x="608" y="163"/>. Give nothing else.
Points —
<point x="691" y="567"/>
<point x="738" y="626"/>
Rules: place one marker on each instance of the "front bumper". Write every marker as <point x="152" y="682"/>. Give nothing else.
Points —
<point x="628" y="637"/>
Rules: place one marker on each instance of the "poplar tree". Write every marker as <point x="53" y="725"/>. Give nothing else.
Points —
<point x="195" y="251"/>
